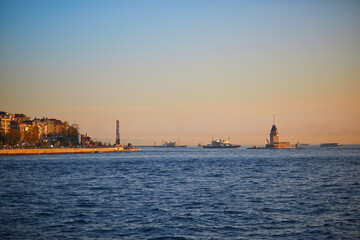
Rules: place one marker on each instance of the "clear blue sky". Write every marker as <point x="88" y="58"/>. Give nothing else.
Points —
<point x="186" y="69"/>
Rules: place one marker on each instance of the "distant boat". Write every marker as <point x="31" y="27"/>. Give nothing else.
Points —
<point x="334" y="145"/>
<point x="221" y="143"/>
<point x="296" y="145"/>
<point x="171" y="144"/>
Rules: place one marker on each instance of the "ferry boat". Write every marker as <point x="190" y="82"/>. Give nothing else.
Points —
<point x="335" y="145"/>
<point x="221" y="143"/>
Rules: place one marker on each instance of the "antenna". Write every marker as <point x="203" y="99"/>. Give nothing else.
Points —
<point x="274" y="118"/>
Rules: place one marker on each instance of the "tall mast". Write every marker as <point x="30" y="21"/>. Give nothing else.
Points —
<point x="273" y="118"/>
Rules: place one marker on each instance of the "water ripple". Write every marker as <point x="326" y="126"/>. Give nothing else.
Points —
<point x="182" y="194"/>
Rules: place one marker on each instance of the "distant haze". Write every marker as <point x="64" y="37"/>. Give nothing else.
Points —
<point x="187" y="70"/>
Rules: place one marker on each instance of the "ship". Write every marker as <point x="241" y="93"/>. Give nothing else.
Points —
<point x="170" y="144"/>
<point x="221" y="143"/>
<point x="334" y="145"/>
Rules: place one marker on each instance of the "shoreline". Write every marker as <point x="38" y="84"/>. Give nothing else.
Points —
<point x="64" y="150"/>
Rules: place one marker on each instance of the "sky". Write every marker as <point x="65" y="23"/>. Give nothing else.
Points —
<point x="186" y="70"/>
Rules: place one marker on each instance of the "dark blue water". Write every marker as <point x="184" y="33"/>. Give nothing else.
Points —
<point x="184" y="193"/>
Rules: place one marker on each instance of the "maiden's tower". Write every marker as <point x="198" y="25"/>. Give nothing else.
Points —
<point x="274" y="139"/>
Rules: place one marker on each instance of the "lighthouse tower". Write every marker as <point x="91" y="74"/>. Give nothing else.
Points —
<point x="274" y="138"/>
<point x="274" y="133"/>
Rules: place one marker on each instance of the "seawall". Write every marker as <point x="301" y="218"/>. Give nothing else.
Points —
<point x="64" y="150"/>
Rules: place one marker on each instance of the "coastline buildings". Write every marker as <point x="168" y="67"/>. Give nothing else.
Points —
<point x="11" y="121"/>
<point x="50" y="131"/>
<point x="54" y="126"/>
<point x="6" y="118"/>
<point x="21" y="117"/>
<point x="24" y="127"/>
<point x="42" y="127"/>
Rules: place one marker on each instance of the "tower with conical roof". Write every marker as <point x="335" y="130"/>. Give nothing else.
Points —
<point x="274" y="133"/>
<point x="275" y="140"/>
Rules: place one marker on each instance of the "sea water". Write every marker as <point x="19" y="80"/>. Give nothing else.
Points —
<point x="183" y="193"/>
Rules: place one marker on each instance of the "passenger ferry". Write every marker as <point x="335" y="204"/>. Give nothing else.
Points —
<point x="221" y="143"/>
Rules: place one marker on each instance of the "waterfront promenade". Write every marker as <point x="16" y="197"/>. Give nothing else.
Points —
<point x="65" y="150"/>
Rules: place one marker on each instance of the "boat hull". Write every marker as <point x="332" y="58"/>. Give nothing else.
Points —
<point x="234" y="146"/>
<point x="330" y="145"/>
<point x="180" y="146"/>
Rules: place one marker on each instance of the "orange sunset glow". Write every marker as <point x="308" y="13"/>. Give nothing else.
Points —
<point x="187" y="71"/>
